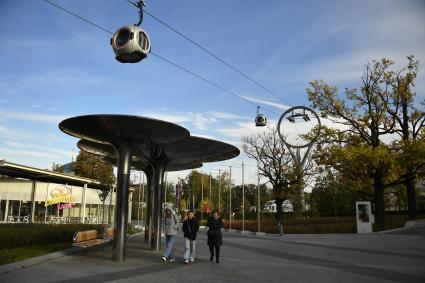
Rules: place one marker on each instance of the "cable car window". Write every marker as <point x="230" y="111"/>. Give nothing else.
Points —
<point x="143" y="40"/>
<point x="122" y="37"/>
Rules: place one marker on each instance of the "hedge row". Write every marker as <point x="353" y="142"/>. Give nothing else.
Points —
<point x="26" y="235"/>
<point x="300" y="227"/>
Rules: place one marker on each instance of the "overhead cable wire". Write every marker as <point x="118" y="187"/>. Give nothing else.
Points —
<point x="217" y="57"/>
<point x="204" y="79"/>
<point x="158" y="56"/>
<point x="77" y="16"/>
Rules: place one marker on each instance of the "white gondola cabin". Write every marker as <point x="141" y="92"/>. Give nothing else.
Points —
<point x="260" y="119"/>
<point x="131" y="44"/>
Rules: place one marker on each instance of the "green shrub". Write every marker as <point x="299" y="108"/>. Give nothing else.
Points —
<point x="27" y="235"/>
<point x="314" y="225"/>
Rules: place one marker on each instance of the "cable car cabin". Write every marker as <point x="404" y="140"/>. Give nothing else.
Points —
<point x="260" y="120"/>
<point x="131" y="44"/>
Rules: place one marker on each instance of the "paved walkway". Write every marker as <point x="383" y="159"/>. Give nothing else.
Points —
<point x="398" y="256"/>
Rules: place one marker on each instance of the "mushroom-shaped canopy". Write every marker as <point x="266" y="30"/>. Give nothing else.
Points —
<point x="114" y="129"/>
<point x="107" y="155"/>
<point x="201" y="149"/>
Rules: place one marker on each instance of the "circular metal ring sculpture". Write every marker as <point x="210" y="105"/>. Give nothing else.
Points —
<point x="292" y="118"/>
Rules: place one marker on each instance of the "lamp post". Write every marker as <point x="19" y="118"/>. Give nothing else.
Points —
<point x="230" y="198"/>
<point x="243" y="199"/>
<point x="210" y="189"/>
<point x="219" y="190"/>
<point x="258" y="199"/>
<point x="138" y="207"/>
<point x="143" y="192"/>
<point x="202" y="197"/>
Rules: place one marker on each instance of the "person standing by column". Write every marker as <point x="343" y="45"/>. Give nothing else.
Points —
<point x="190" y="228"/>
<point x="171" y="222"/>
<point x="215" y="239"/>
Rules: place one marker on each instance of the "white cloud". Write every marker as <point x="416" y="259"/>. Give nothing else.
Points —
<point x="200" y="121"/>
<point x="50" y="154"/>
<point x="47" y="118"/>
<point x="227" y="116"/>
<point x="241" y="129"/>
<point x="266" y="102"/>
<point x="52" y="79"/>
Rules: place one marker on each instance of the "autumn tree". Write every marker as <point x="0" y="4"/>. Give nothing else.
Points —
<point x="56" y="167"/>
<point x="277" y="165"/>
<point x="89" y="165"/>
<point x="357" y="150"/>
<point x="409" y="122"/>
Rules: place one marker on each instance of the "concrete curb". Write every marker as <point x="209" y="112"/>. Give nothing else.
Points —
<point x="35" y="260"/>
<point x="407" y="225"/>
<point x="247" y="232"/>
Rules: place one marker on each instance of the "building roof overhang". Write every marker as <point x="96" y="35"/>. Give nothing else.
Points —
<point x="42" y="175"/>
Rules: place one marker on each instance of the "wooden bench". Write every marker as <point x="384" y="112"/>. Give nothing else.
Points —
<point x="91" y="238"/>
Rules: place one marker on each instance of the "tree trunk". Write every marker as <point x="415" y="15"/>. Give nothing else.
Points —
<point x="279" y="211"/>
<point x="379" y="200"/>
<point x="411" y="198"/>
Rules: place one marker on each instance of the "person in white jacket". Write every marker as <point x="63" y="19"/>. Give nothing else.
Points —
<point x="171" y="222"/>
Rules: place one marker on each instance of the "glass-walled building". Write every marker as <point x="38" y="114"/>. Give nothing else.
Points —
<point x="29" y="194"/>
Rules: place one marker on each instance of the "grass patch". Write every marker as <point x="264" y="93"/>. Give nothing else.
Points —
<point x="21" y="253"/>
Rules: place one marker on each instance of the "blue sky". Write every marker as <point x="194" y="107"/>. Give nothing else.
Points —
<point x="55" y="66"/>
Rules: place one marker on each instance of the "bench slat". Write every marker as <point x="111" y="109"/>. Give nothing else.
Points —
<point x="85" y="236"/>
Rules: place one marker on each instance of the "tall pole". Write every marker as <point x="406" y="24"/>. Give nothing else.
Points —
<point x="138" y="207"/>
<point x="243" y="199"/>
<point x="143" y="192"/>
<point x="258" y="198"/>
<point x="219" y="190"/>
<point x="210" y="189"/>
<point x="165" y="191"/>
<point x="202" y="196"/>
<point x="190" y="190"/>
<point x="230" y="198"/>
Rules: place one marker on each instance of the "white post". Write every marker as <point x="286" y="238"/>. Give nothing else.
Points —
<point x="20" y="204"/>
<point x="130" y="206"/>
<point x="83" y="204"/>
<point x="6" y="209"/>
<point x="33" y="193"/>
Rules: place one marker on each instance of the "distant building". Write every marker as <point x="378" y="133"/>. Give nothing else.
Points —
<point x="29" y="194"/>
<point x="270" y="206"/>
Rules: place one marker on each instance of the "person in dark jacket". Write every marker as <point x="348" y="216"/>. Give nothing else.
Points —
<point x="190" y="228"/>
<point x="215" y="240"/>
